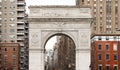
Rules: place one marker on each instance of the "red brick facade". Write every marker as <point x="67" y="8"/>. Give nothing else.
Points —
<point x="9" y="56"/>
<point x="105" y="53"/>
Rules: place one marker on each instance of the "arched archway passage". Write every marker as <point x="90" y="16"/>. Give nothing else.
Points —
<point x="60" y="55"/>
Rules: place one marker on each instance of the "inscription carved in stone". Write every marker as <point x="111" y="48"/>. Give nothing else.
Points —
<point x="59" y="24"/>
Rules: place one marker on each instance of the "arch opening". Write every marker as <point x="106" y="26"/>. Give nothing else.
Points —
<point x="60" y="53"/>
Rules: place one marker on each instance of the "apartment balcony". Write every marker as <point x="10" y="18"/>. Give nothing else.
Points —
<point x="21" y="9"/>
<point x="20" y="27"/>
<point x="20" y="38"/>
<point x="21" y="15"/>
<point x="20" y="21"/>
<point x="108" y="26"/>
<point x="26" y="27"/>
<point x="26" y="21"/>
<point x="22" y="50"/>
<point x="20" y="33"/>
<point x="26" y="31"/>
<point x="22" y="68"/>
<point x="21" y="3"/>
<point x="26" y="63"/>
<point x="21" y="44"/>
<point x="22" y="56"/>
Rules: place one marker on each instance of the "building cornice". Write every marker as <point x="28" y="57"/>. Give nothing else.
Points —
<point x="104" y="35"/>
<point x="58" y="19"/>
<point x="58" y="6"/>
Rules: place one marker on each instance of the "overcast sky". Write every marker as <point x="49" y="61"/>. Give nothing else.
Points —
<point x="50" y="2"/>
<point x="52" y="41"/>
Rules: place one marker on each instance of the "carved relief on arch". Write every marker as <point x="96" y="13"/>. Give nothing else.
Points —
<point x="35" y="39"/>
<point x="84" y="37"/>
<point x="59" y="24"/>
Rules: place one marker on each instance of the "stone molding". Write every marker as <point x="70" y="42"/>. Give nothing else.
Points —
<point x="31" y="19"/>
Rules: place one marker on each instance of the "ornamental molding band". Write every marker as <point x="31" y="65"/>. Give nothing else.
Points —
<point x="46" y="21"/>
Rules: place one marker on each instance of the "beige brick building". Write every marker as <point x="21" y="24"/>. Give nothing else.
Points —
<point x="105" y="15"/>
<point x="14" y="27"/>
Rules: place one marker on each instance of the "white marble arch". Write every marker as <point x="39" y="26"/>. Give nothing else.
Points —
<point x="43" y="24"/>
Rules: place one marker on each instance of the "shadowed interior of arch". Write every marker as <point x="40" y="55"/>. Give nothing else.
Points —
<point x="60" y="53"/>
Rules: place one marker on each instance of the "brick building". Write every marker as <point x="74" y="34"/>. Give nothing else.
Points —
<point x="106" y="15"/>
<point x="14" y="27"/>
<point x="105" y="52"/>
<point x="9" y="56"/>
<point x="64" y="53"/>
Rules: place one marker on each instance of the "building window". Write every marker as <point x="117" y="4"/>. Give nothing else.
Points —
<point x="107" y="67"/>
<point x="115" y="67"/>
<point x="82" y="0"/>
<point x="115" y="46"/>
<point x="14" y="62"/>
<point x="100" y="67"/>
<point x="12" y="36"/>
<point x="115" y="57"/>
<point x="12" y="13"/>
<point x="5" y="7"/>
<point x="14" y="49"/>
<point x="107" y="57"/>
<point x="94" y="5"/>
<point x="12" y="7"/>
<point x="115" y="37"/>
<point x="94" y="27"/>
<point x="99" y="56"/>
<point x="5" y="19"/>
<point x="101" y="28"/>
<point x="99" y="38"/>
<point x="14" y="56"/>
<point x="12" y="30"/>
<point x="14" y="68"/>
<point x="12" y="19"/>
<point x="12" y="25"/>
<point x="107" y="37"/>
<point x="107" y="47"/>
<point x="5" y="56"/>
<point x="5" y="62"/>
<point x="99" y="47"/>
<point x="5" y="49"/>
